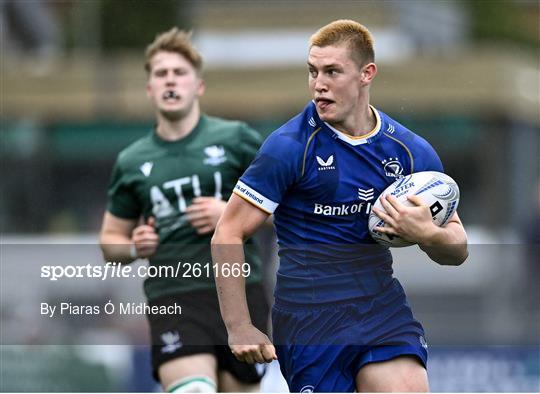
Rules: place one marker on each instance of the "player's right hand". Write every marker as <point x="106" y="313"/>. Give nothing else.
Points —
<point x="145" y="239"/>
<point x="260" y="349"/>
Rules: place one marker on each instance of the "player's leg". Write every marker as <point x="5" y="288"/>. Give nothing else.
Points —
<point x="307" y="359"/>
<point x="189" y="374"/>
<point x="183" y="352"/>
<point x="396" y="354"/>
<point x="403" y="374"/>
<point x="316" y="368"/>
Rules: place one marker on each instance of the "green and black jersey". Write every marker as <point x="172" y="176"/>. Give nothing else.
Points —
<point x="154" y="177"/>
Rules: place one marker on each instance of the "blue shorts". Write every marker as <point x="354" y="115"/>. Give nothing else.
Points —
<point x="322" y="347"/>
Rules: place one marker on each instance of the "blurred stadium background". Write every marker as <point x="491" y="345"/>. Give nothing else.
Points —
<point x="464" y="74"/>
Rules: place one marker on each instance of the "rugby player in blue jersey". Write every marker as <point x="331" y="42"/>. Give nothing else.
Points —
<point x="341" y="321"/>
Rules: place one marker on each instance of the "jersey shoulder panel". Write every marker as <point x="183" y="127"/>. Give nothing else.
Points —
<point x="215" y="124"/>
<point x="229" y="130"/>
<point x="422" y="155"/>
<point x="140" y="149"/>
<point x="294" y="136"/>
<point x="122" y="199"/>
<point x="238" y="133"/>
<point x="278" y="163"/>
<point x="239" y="140"/>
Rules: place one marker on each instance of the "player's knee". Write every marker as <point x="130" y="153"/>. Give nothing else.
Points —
<point x="412" y="384"/>
<point x="403" y="374"/>
<point x="193" y="384"/>
<point x="412" y="379"/>
<point x="401" y="384"/>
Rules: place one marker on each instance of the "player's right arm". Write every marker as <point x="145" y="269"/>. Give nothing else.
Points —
<point x="123" y="241"/>
<point x="239" y="221"/>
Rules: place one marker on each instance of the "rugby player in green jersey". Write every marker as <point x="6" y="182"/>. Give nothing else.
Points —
<point x="166" y="194"/>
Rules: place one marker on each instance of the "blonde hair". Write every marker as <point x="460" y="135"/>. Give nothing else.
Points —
<point x="351" y="33"/>
<point x="176" y="41"/>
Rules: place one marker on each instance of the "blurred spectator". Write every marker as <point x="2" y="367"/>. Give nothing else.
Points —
<point x="436" y="27"/>
<point x="531" y="238"/>
<point x="31" y="28"/>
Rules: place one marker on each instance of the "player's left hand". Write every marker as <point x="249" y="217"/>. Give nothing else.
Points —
<point x="413" y="224"/>
<point x="204" y="213"/>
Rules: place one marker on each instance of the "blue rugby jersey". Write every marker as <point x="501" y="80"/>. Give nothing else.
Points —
<point x="320" y="185"/>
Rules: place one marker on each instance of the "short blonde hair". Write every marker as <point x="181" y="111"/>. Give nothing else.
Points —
<point x="351" y="33"/>
<point x="176" y="41"/>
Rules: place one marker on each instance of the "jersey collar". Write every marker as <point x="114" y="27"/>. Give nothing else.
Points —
<point x="182" y="141"/>
<point x="349" y="139"/>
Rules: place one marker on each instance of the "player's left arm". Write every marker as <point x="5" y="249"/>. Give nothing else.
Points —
<point x="445" y="245"/>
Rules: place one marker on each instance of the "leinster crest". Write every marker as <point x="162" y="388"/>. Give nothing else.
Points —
<point x="392" y="167"/>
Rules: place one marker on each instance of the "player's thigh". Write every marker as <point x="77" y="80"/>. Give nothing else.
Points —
<point x="201" y="365"/>
<point x="404" y="374"/>
<point x="229" y="383"/>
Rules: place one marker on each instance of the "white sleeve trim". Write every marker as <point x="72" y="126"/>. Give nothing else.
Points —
<point x="255" y="198"/>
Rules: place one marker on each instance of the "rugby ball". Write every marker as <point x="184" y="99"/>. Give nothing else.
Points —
<point x="439" y="191"/>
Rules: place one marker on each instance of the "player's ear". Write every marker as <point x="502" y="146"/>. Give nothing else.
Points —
<point x="148" y="90"/>
<point x="202" y="87"/>
<point x="368" y="73"/>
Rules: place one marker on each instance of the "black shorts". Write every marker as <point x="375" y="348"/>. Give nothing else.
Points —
<point x="200" y="329"/>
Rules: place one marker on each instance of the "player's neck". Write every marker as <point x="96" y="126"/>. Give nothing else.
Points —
<point x="361" y="124"/>
<point x="172" y="130"/>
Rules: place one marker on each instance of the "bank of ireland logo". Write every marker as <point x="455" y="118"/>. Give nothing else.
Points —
<point x="307" y="389"/>
<point x="215" y="155"/>
<point x="326" y="164"/>
<point x="392" y="167"/>
<point x="171" y="340"/>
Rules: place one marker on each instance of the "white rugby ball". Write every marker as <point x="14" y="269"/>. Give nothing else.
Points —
<point x="439" y="191"/>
